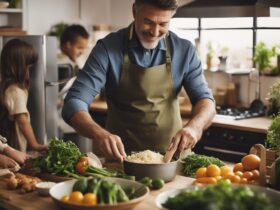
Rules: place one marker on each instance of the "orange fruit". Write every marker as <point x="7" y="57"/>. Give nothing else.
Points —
<point x="248" y="175"/>
<point x="213" y="170"/>
<point x="89" y="199"/>
<point x="238" y="173"/>
<point x="201" y="172"/>
<point x="76" y="197"/>
<point x="235" y="179"/>
<point x="251" y="162"/>
<point x="229" y="176"/>
<point x="243" y="181"/>
<point x="206" y="180"/>
<point x="225" y="170"/>
<point x="256" y="174"/>
<point x="238" y="167"/>
<point x="65" y="198"/>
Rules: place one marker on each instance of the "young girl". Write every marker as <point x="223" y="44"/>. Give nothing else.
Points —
<point x="16" y="59"/>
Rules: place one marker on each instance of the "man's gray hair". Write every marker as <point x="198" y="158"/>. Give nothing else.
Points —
<point x="161" y="4"/>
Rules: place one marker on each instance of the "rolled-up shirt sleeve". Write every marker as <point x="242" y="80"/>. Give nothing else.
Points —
<point x="194" y="81"/>
<point x="72" y="106"/>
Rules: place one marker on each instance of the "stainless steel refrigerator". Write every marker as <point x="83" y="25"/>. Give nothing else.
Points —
<point x="43" y="93"/>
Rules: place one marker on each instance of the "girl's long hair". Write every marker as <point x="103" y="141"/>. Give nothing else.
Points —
<point x="16" y="58"/>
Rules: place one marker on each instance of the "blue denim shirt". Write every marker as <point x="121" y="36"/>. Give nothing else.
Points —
<point x="103" y="69"/>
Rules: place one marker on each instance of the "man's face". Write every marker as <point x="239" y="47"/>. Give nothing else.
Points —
<point x="74" y="50"/>
<point x="151" y="24"/>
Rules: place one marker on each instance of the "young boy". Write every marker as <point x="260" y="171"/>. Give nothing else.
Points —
<point x="73" y="42"/>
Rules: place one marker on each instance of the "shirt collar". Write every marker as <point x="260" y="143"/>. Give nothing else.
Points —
<point x="134" y="43"/>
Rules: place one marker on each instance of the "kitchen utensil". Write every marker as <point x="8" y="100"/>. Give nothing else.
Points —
<point x="168" y="155"/>
<point x="65" y="188"/>
<point x="165" y="171"/>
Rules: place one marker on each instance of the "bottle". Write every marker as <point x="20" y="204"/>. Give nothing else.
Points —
<point x="231" y="94"/>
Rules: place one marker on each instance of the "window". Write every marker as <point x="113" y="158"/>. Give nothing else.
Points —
<point x="231" y="37"/>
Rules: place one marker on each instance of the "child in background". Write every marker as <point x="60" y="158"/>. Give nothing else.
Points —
<point x="9" y="157"/>
<point x="16" y="59"/>
<point x="73" y="42"/>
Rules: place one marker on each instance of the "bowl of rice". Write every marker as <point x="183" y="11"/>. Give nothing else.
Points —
<point x="148" y="163"/>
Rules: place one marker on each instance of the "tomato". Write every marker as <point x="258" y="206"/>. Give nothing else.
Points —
<point x="201" y="172"/>
<point x="81" y="167"/>
<point x="76" y="197"/>
<point x="238" y="167"/>
<point x="83" y="159"/>
<point x="89" y="199"/>
<point x="213" y="170"/>
<point x="251" y="162"/>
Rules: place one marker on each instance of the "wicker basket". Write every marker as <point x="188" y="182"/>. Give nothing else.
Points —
<point x="267" y="167"/>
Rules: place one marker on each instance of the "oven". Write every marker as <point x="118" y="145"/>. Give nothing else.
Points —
<point x="228" y="144"/>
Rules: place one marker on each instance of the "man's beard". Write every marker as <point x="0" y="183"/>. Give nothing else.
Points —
<point x="147" y="45"/>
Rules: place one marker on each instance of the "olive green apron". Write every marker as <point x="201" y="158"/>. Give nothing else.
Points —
<point x="144" y="109"/>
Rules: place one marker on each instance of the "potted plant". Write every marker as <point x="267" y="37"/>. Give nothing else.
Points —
<point x="274" y="99"/>
<point x="263" y="56"/>
<point x="209" y="55"/>
<point x="273" y="135"/>
<point x="57" y="29"/>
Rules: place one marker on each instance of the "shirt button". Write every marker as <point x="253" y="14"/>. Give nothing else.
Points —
<point x="147" y="53"/>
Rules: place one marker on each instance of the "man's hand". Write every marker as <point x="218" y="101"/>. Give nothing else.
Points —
<point x="186" y="138"/>
<point x="111" y="146"/>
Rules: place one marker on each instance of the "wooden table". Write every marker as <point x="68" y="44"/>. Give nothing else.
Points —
<point x="12" y="200"/>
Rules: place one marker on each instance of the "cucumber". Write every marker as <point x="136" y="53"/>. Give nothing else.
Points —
<point x="80" y="185"/>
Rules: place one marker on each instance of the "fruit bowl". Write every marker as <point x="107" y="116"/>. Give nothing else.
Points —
<point x="65" y="188"/>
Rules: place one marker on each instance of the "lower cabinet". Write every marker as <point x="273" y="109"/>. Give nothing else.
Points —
<point x="228" y="144"/>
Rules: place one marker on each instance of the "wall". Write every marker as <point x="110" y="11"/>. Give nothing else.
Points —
<point x="41" y="14"/>
<point x="246" y="85"/>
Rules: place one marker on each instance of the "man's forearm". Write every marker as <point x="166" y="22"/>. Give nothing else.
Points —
<point x="85" y="125"/>
<point x="203" y="114"/>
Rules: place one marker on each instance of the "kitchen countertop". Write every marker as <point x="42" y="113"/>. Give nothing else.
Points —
<point x="258" y="124"/>
<point x="12" y="200"/>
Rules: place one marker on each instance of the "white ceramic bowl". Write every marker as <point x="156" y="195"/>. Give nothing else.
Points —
<point x="43" y="188"/>
<point x="272" y="194"/>
<point x="65" y="188"/>
<point x="4" y="4"/>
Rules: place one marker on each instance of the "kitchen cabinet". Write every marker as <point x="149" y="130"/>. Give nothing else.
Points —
<point x="228" y="144"/>
<point x="13" y="20"/>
